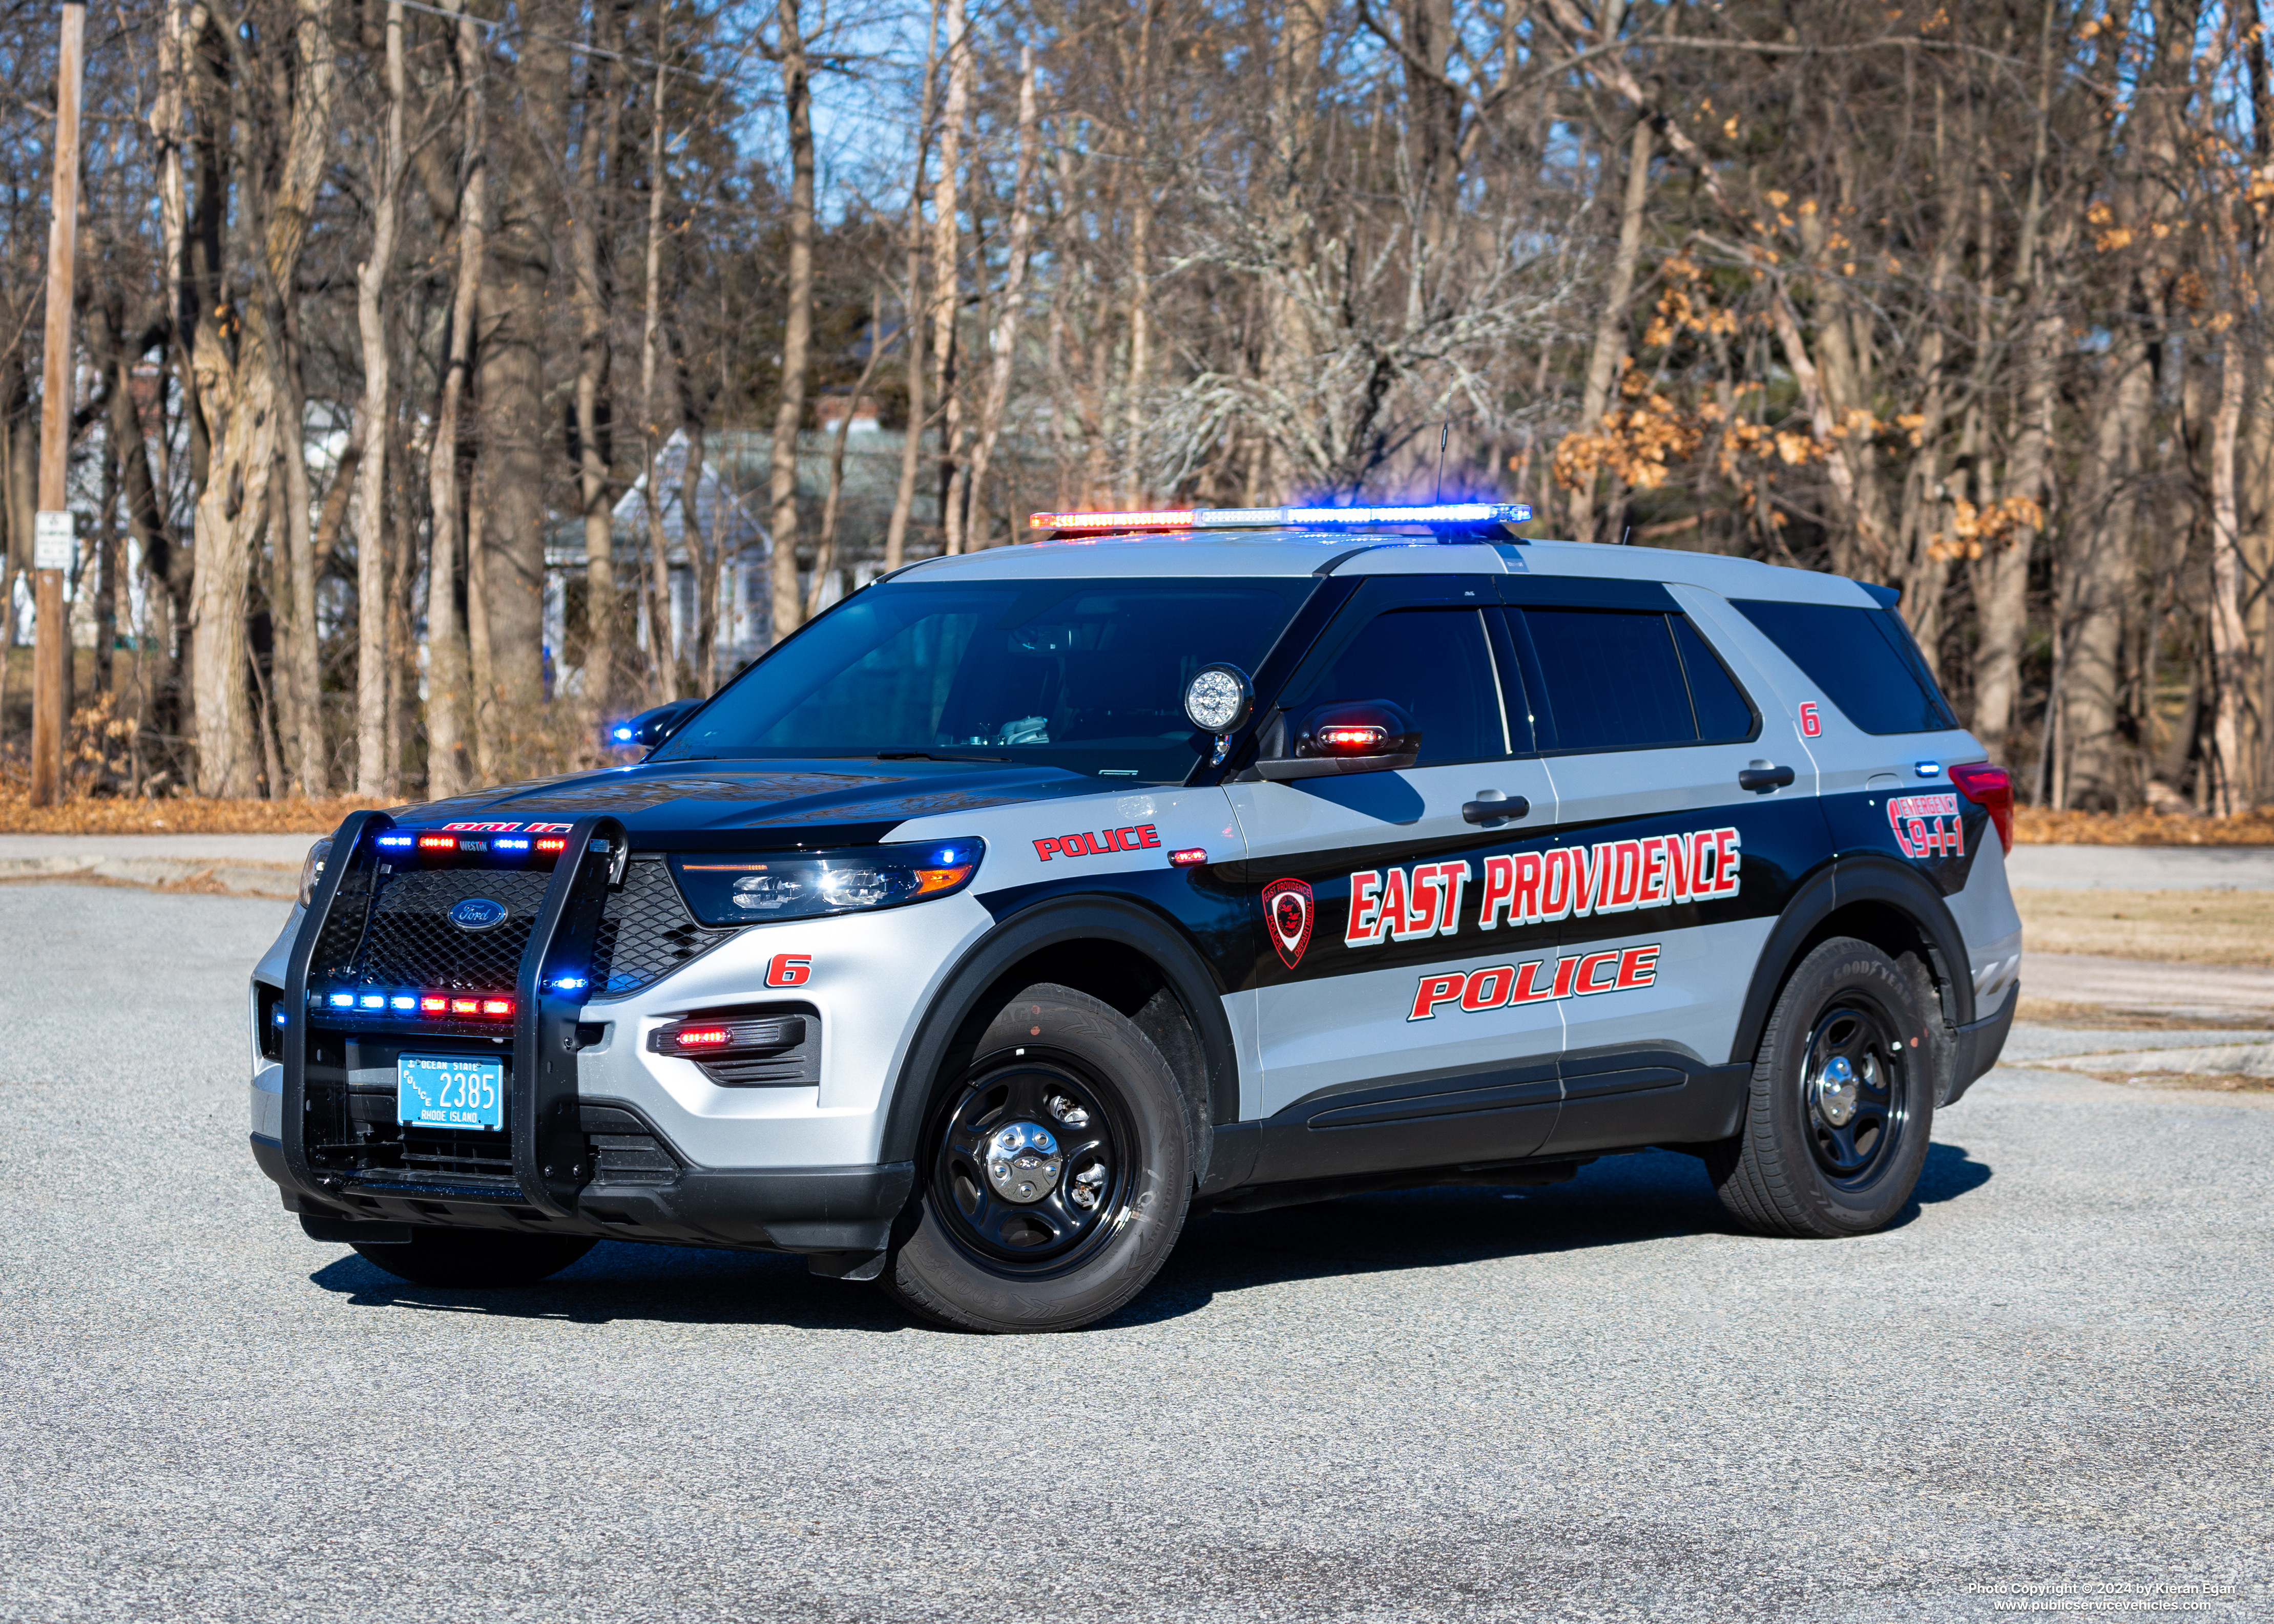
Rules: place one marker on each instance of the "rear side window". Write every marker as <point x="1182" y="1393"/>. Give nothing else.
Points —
<point x="1620" y="680"/>
<point x="1863" y="659"/>
<point x="1432" y="663"/>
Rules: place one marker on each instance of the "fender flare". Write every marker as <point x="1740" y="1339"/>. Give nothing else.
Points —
<point x="1863" y="877"/>
<point x="1060" y="920"/>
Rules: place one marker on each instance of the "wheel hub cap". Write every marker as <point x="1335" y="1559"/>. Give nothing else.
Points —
<point x="1023" y="1162"/>
<point x="1837" y="1091"/>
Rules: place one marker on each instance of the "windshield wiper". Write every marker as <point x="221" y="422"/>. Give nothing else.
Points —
<point x="929" y="756"/>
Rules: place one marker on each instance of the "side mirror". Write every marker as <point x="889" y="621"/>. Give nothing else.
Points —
<point x="649" y="728"/>
<point x="1370" y="735"/>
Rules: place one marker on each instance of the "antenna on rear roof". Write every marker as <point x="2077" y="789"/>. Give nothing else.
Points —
<point x="1444" y="433"/>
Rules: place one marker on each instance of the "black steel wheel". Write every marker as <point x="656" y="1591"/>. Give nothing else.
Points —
<point x="1055" y="1172"/>
<point x="1852" y="1079"/>
<point x="1842" y="1099"/>
<point x="1032" y="1163"/>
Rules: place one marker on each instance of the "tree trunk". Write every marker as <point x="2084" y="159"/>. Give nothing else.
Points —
<point x="1003" y="346"/>
<point x="663" y="660"/>
<point x="516" y="314"/>
<point x="1140" y="270"/>
<point x="1611" y="319"/>
<point x="374" y="657"/>
<point x="825" y="550"/>
<point x="2232" y="726"/>
<point x="946" y="283"/>
<point x="593" y="483"/>
<point x="788" y="605"/>
<point x="447" y="766"/>
<point x="236" y="374"/>
<point x="912" y="307"/>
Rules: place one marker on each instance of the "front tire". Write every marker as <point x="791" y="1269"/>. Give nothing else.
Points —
<point x="442" y="1256"/>
<point x="1053" y="1174"/>
<point x="1842" y="1100"/>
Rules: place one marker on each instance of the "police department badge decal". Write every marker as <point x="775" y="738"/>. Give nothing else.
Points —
<point x="1287" y="911"/>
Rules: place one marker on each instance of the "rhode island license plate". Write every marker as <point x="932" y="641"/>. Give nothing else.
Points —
<point x="453" y="1092"/>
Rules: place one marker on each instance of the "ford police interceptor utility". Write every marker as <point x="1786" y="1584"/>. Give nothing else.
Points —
<point x="1028" y="901"/>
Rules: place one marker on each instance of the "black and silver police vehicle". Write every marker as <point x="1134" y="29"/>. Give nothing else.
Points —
<point x="1029" y="901"/>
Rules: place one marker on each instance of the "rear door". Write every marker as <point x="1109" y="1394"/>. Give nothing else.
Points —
<point x="1388" y="1036"/>
<point x="1666" y="870"/>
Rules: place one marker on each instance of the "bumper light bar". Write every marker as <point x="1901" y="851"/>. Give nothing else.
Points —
<point x="1267" y="518"/>
<point x="416" y="1005"/>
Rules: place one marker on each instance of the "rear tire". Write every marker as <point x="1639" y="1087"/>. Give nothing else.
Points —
<point x="440" y="1257"/>
<point x="1052" y="1177"/>
<point x="1842" y="1100"/>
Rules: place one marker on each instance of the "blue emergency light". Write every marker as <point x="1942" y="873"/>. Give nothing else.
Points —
<point x="1264" y="518"/>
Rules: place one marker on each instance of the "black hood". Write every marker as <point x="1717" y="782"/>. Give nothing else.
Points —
<point x="718" y="806"/>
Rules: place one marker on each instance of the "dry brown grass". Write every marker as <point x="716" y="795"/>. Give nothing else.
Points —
<point x="2043" y="826"/>
<point x="180" y="814"/>
<point x="2183" y="927"/>
<point x="2102" y="1017"/>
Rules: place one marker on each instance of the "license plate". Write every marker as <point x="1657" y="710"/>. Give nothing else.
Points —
<point x="452" y="1093"/>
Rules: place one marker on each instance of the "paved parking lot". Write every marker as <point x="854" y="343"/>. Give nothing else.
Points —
<point x="1596" y="1402"/>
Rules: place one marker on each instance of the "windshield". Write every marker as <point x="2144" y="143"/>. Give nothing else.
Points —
<point x="1088" y="675"/>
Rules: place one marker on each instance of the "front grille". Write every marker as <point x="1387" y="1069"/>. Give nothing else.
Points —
<point x="397" y="933"/>
<point x="646" y="932"/>
<point x="457" y="1154"/>
<point x="620" y="1148"/>
<point x="410" y="941"/>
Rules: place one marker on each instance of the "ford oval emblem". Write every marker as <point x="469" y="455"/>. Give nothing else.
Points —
<point x="478" y="914"/>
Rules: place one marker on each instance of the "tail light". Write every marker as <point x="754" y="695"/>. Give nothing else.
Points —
<point x="1991" y="788"/>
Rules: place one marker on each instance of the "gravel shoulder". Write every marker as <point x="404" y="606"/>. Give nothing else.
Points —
<point x="1595" y="1401"/>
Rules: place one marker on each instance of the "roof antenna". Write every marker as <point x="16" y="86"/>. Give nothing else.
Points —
<point x="1626" y="536"/>
<point x="1444" y="432"/>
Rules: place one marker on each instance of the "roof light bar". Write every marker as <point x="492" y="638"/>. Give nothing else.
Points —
<point x="1261" y="518"/>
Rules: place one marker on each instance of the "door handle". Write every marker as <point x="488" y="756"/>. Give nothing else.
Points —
<point x="1490" y="807"/>
<point x="1763" y="778"/>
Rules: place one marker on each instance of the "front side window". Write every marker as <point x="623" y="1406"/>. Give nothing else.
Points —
<point x="1433" y="663"/>
<point x="1088" y="675"/>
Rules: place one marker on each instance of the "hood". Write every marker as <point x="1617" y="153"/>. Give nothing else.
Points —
<point x="716" y="806"/>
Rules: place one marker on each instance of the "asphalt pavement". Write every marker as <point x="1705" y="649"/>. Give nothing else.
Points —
<point x="1596" y="1402"/>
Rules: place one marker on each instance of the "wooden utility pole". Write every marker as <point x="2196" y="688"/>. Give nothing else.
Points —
<point x="53" y="543"/>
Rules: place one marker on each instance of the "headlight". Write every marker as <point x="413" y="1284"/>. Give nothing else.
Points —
<point x="311" y="869"/>
<point x="735" y="889"/>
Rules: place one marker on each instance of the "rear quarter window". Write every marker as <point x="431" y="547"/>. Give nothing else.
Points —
<point x="1863" y="659"/>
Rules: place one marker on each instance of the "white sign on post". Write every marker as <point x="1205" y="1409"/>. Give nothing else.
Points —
<point x="54" y="543"/>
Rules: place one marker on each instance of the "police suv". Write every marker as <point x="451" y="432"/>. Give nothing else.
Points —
<point x="1029" y="901"/>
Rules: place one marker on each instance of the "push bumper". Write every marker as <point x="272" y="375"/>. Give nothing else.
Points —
<point x="810" y="1210"/>
<point x="1979" y="1044"/>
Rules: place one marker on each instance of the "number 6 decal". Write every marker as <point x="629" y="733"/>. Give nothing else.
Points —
<point x="790" y="969"/>
<point x="1810" y="724"/>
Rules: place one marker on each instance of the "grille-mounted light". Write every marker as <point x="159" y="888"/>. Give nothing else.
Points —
<point x="417" y="1005"/>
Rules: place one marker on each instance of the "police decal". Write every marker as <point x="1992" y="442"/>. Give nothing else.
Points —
<point x="1288" y="910"/>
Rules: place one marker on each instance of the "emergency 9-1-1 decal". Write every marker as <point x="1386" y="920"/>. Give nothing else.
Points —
<point x="1539" y="981"/>
<point x="1531" y="888"/>
<point x="1927" y="826"/>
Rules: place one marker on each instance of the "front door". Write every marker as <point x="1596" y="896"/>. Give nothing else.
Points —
<point x="1390" y="1026"/>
